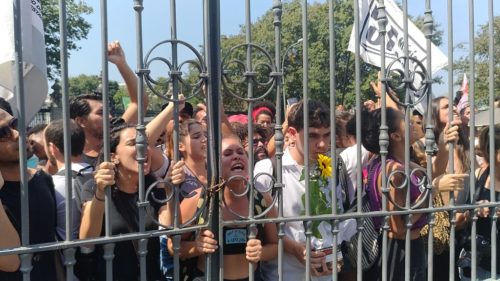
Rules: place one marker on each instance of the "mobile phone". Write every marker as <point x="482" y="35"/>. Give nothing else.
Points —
<point x="291" y="101"/>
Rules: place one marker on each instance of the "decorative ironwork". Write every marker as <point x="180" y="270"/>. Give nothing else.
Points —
<point x="197" y="64"/>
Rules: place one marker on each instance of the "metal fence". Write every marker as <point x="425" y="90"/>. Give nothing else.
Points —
<point x="212" y="73"/>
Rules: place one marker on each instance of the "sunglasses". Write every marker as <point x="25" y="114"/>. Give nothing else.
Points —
<point x="262" y="140"/>
<point x="6" y="131"/>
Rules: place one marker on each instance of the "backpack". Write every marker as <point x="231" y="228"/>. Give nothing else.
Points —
<point x="370" y="244"/>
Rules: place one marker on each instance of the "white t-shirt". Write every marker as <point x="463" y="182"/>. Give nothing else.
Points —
<point x="59" y="180"/>
<point x="350" y="158"/>
<point x="293" y="269"/>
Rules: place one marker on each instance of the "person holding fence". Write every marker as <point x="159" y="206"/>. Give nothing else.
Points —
<point x="396" y="177"/>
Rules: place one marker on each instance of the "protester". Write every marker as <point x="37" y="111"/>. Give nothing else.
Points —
<point x="482" y="195"/>
<point x="293" y="163"/>
<point x="122" y="176"/>
<point x="41" y="202"/>
<point x="9" y="238"/>
<point x="263" y="113"/>
<point x="397" y="224"/>
<point x="240" y="251"/>
<point x="87" y="109"/>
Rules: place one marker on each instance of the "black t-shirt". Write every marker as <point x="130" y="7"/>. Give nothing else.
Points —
<point x="42" y="222"/>
<point x="124" y="219"/>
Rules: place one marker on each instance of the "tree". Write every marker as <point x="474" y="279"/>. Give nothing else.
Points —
<point x="319" y="74"/>
<point x="84" y="84"/>
<point x="482" y="59"/>
<point x="77" y="29"/>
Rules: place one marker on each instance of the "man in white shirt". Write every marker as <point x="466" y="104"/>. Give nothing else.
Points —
<point x="293" y="163"/>
<point x="54" y="146"/>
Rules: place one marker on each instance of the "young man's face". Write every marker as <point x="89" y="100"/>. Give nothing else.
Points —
<point x="319" y="142"/>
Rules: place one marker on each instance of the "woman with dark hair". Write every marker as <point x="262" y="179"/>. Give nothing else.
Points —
<point x="239" y="251"/>
<point x="484" y="181"/>
<point x="394" y="165"/>
<point x="122" y="175"/>
<point x="193" y="150"/>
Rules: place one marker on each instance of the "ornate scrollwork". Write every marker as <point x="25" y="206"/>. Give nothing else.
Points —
<point x="236" y="73"/>
<point x="246" y="191"/>
<point x="167" y="185"/>
<point x="408" y="180"/>
<point x="161" y="88"/>
<point x="415" y="80"/>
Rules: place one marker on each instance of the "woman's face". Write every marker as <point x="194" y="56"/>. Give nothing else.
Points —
<point x="402" y="129"/>
<point x="264" y="120"/>
<point x="194" y="145"/>
<point x="444" y="107"/>
<point x="234" y="159"/>
<point x="126" y="153"/>
<point x="417" y="123"/>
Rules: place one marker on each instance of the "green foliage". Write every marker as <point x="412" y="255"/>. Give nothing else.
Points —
<point x="481" y="63"/>
<point x="77" y="29"/>
<point x="318" y="51"/>
<point x="84" y="84"/>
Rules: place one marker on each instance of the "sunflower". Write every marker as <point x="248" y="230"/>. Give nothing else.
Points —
<point x="325" y="165"/>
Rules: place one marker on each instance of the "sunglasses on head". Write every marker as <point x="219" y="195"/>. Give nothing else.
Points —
<point x="6" y="131"/>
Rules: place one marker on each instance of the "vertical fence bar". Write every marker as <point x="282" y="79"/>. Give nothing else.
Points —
<point x="278" y="133"/>
<point x="407" y="82"/>
<point x="493" y="153"/>
<point x="69" y="254"/>
<point x="18" y="45"/>
<point x="213" y="101"/>
<point x="451" y="165"/>
<point x="430" y="141"/>
<point x="471" y="91"/>
<point x="141" y="143"/>
<point x="305" y="93"/>
<point x="175" y="75"/>
<point x="333" y="101"/>
<point x="250" y="74"/>
<point x="384" y="136"/>
<point x="108" y="248"/>
<point x="357" y="89"/>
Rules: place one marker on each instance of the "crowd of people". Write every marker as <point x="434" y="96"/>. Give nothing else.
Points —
<point x="93" y="174"/>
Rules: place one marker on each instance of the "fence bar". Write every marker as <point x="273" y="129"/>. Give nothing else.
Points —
<point x="451" y="160"/>
<point x="18" y="45"/>
<point x="429" y="135"/>
<point x="407" y="81"/>
<point x="69" y="254"/>
<point x="471" y="92"/>
<point x="251" y="228"/>
<point x="333" y="101"/>
<point x="212" y="51"/>
<point x="384" y="135"/>
<point x="357" y="89"/>
<point x="141" y="143"/>
<point x="278" y="133"/>
<point x="305" y="94"/>
<point x="108" y="248"/>
<point x="493" y="152"/>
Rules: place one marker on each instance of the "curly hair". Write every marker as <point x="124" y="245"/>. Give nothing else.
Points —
<point x="370" y="131"/>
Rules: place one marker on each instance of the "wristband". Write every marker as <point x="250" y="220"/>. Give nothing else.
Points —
<point x="98" y="199"/>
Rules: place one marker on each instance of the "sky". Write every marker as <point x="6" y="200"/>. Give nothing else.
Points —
<point x="157" y="18"/>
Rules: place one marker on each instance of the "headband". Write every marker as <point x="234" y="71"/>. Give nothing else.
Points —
<point x="256" y="112"/>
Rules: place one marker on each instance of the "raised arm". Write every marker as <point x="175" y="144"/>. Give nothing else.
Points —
<point x="116" y="55"/>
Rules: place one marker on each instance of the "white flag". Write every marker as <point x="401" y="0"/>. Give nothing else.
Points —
<point x="369" y="39"/>
<point x="34" y="59"/>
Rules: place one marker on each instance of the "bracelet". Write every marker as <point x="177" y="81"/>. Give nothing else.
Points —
<point x="98" y="199"/>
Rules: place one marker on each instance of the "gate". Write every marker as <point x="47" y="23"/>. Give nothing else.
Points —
<point x="250" y="72"/>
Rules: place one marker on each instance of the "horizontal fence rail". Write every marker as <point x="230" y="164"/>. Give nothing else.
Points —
<point x="315" y="191"/>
